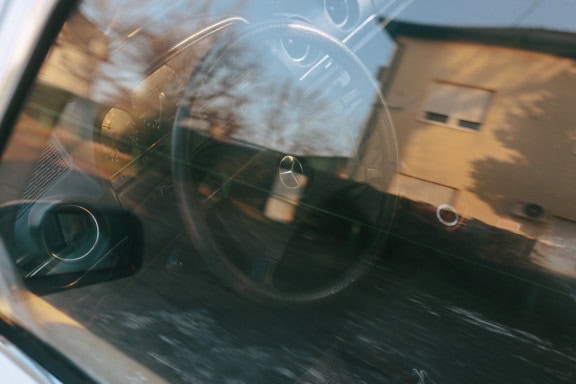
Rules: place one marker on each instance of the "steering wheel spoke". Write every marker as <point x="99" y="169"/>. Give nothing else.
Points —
<point x="263" y="267"/>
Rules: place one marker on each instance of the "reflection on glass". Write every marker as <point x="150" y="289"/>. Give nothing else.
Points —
<point x="403" y="168"/>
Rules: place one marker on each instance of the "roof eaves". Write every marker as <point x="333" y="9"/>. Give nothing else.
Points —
<point x="541" y="40"/>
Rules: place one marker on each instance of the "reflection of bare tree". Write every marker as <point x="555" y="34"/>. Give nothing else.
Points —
<point x="140" y="35"/>
<point x="298" y="121"/>
<point x="243" y="91"/>
<point x="217" y="90"/>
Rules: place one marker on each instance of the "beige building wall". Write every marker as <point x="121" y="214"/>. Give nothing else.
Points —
<point x="523" y="151"/>
<point x="71" y="63"/>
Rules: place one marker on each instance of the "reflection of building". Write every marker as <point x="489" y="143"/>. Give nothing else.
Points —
<point x="484" y="121"/>
<point x="80" y="49"/>
<point x="69" y="71"/>
<point x="65" y="84"/>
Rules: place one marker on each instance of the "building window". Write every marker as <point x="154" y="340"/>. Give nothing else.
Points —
<point x="456" y="106"/>
<point x="439" y="117"/>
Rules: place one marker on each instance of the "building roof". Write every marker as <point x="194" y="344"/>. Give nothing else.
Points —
<point x="533" y="39"/>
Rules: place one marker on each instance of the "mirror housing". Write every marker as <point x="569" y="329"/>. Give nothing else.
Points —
<point x="60" y="245"/>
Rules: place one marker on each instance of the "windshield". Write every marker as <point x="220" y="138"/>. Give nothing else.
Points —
<point x="319" y="191"/>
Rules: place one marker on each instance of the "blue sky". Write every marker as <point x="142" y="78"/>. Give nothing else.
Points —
<point x="552" y="14"/>
<point x="555" y="14"/>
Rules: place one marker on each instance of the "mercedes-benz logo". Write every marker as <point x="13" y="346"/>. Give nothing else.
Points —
<point x="291" y="172"/>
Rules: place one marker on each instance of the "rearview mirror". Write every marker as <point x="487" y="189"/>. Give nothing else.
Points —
<point x="58" y="246"/>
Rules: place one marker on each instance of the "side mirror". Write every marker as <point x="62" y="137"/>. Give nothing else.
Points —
<point x="58" y="246"/>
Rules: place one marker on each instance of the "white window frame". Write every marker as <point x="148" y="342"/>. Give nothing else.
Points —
<point x="457" y="106"/>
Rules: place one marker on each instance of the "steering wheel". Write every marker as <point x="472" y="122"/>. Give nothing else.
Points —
<point x="275" y="203"/>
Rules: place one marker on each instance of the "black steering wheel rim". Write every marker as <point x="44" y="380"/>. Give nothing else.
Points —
<point x="195" y="215"/>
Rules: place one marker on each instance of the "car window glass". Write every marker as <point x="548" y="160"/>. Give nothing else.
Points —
<point x="327" y="191"/>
